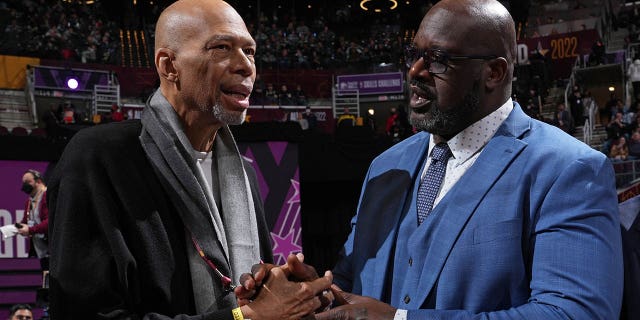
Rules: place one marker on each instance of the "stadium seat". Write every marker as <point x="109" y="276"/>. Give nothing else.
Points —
<point x="19" y="131"/>
<point x="38" y="132"/>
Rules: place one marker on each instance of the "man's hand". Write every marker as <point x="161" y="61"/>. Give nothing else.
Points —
<point x="279" y="298"/>
<point x="295" y="270"/>
<point x="24" y="230"/>
<point x="354" y="307"/>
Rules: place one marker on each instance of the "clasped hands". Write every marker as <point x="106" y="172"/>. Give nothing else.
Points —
<point x="295" y="291"/>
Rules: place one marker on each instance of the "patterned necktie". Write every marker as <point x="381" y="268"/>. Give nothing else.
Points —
<point x="430" y="184"/>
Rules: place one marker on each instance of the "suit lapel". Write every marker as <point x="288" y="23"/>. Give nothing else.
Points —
<point x="457" y="207"/>
<point x="410" y="160"/>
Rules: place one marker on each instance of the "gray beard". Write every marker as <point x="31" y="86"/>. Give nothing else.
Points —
<point x="448" y="123"/>
<point x="230" y="118"/>
<point x="225" y="116"/>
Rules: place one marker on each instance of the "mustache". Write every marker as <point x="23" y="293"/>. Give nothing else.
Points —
<point x="423" y="87"/>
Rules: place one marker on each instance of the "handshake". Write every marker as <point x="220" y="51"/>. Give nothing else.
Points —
<point x="295" y="291"/>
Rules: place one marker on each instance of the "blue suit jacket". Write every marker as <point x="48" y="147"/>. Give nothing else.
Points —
<point x="530" y="231"/>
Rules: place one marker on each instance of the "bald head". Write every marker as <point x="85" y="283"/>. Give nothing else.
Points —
<point x="184" y="18"/>
<point x="483" y="26"/>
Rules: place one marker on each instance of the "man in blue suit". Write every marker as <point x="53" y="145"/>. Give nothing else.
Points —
<point x="524" y="224"/>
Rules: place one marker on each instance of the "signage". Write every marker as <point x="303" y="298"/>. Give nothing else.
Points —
<point x="372" y="83"/>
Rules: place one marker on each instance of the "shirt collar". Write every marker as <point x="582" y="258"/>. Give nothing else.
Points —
<point x="473" y="138"/>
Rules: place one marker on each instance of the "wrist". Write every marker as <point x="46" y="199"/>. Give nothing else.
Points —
<point x="246" y="312"/>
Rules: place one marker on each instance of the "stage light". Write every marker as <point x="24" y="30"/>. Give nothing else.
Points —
<point x="72" y="83"/>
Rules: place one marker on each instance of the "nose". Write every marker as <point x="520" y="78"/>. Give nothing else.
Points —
<point x="242" y="64"/>
<point x="419" y="70"/>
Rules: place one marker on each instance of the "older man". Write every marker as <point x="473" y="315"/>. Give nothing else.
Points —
<point x="156" y="218"/>
<point x="487" y="213"/>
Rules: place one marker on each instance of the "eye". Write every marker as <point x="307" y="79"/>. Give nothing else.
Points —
<point x="220" y="47"/>
<point x="438" y="57"/>
<point x="250" y="52"/>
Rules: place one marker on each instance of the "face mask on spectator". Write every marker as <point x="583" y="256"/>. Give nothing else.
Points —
<point x="26" y="188"/>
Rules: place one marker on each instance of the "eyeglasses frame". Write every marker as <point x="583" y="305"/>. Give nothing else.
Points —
<point x="422" y="54"/>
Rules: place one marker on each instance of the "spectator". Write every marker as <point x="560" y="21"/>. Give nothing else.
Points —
<point x="116" y="113"/>
<point x="532" y="110"/>
<point x="346" y="119"/>
<point x="390" y="123"/>
<point x="299" y="96"/>
<point x="576" y="106"/>
<point x="285" y="96"/>
<point x="615" y="130"/>
<point x="610" y="109"/>
<point x="619" y="150"/>
<point x="271" y="95"/>
<point x="562" y="119"/>
<point x="312" y="120"/>
<point x="597" y="55"/>
<point x="257" y="96"/>
<point x="634" y="146"/>
<point x="20" y="312"/>
<point x="304" y="124"/>
<point x="35" y="223"/>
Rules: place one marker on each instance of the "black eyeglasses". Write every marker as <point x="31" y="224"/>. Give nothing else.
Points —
<point x="437" y="61"/>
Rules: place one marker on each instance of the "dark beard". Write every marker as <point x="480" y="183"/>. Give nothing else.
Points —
<point x="451" y="122"/>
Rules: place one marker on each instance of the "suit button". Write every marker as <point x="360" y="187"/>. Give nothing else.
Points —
<point x="410" y="262"/>
<point x="407" y="299"/>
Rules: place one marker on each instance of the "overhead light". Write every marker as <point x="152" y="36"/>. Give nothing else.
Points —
<point x="72" y="83"/>
<point x="364" y="6"/>
<point x="612" y="89"/>
<point x="371" y="111"/>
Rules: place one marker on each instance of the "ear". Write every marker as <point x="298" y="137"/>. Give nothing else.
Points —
<point x="498" y="69"/>
<point x="164" y="60"/>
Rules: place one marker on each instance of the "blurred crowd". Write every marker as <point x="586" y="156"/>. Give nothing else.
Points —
<point x="76" y="31"/>
<point x="59" y="30"/>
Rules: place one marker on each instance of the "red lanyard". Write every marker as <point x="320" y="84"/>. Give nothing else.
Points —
<point x="226" y="281"/>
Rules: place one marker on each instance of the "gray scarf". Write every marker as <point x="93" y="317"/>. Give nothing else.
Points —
<point x="230" y="240"/>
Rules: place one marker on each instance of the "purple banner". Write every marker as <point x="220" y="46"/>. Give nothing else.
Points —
<point x="276" y="165"/>
<point x="372" y="83"/>
<point x="55" y="78"/>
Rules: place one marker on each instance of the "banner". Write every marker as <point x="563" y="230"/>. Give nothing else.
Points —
<point x="560" y="51"/>
<point x="372" y="83"/>
<point x="56" y="78"/>
<point x="276" y="165"/>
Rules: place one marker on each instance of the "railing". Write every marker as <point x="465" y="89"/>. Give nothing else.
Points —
<point x="346" y="99"/>
<point x="587" y="132"/>
<point x="626" y="171"/>
<point x="29" y="94"/>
